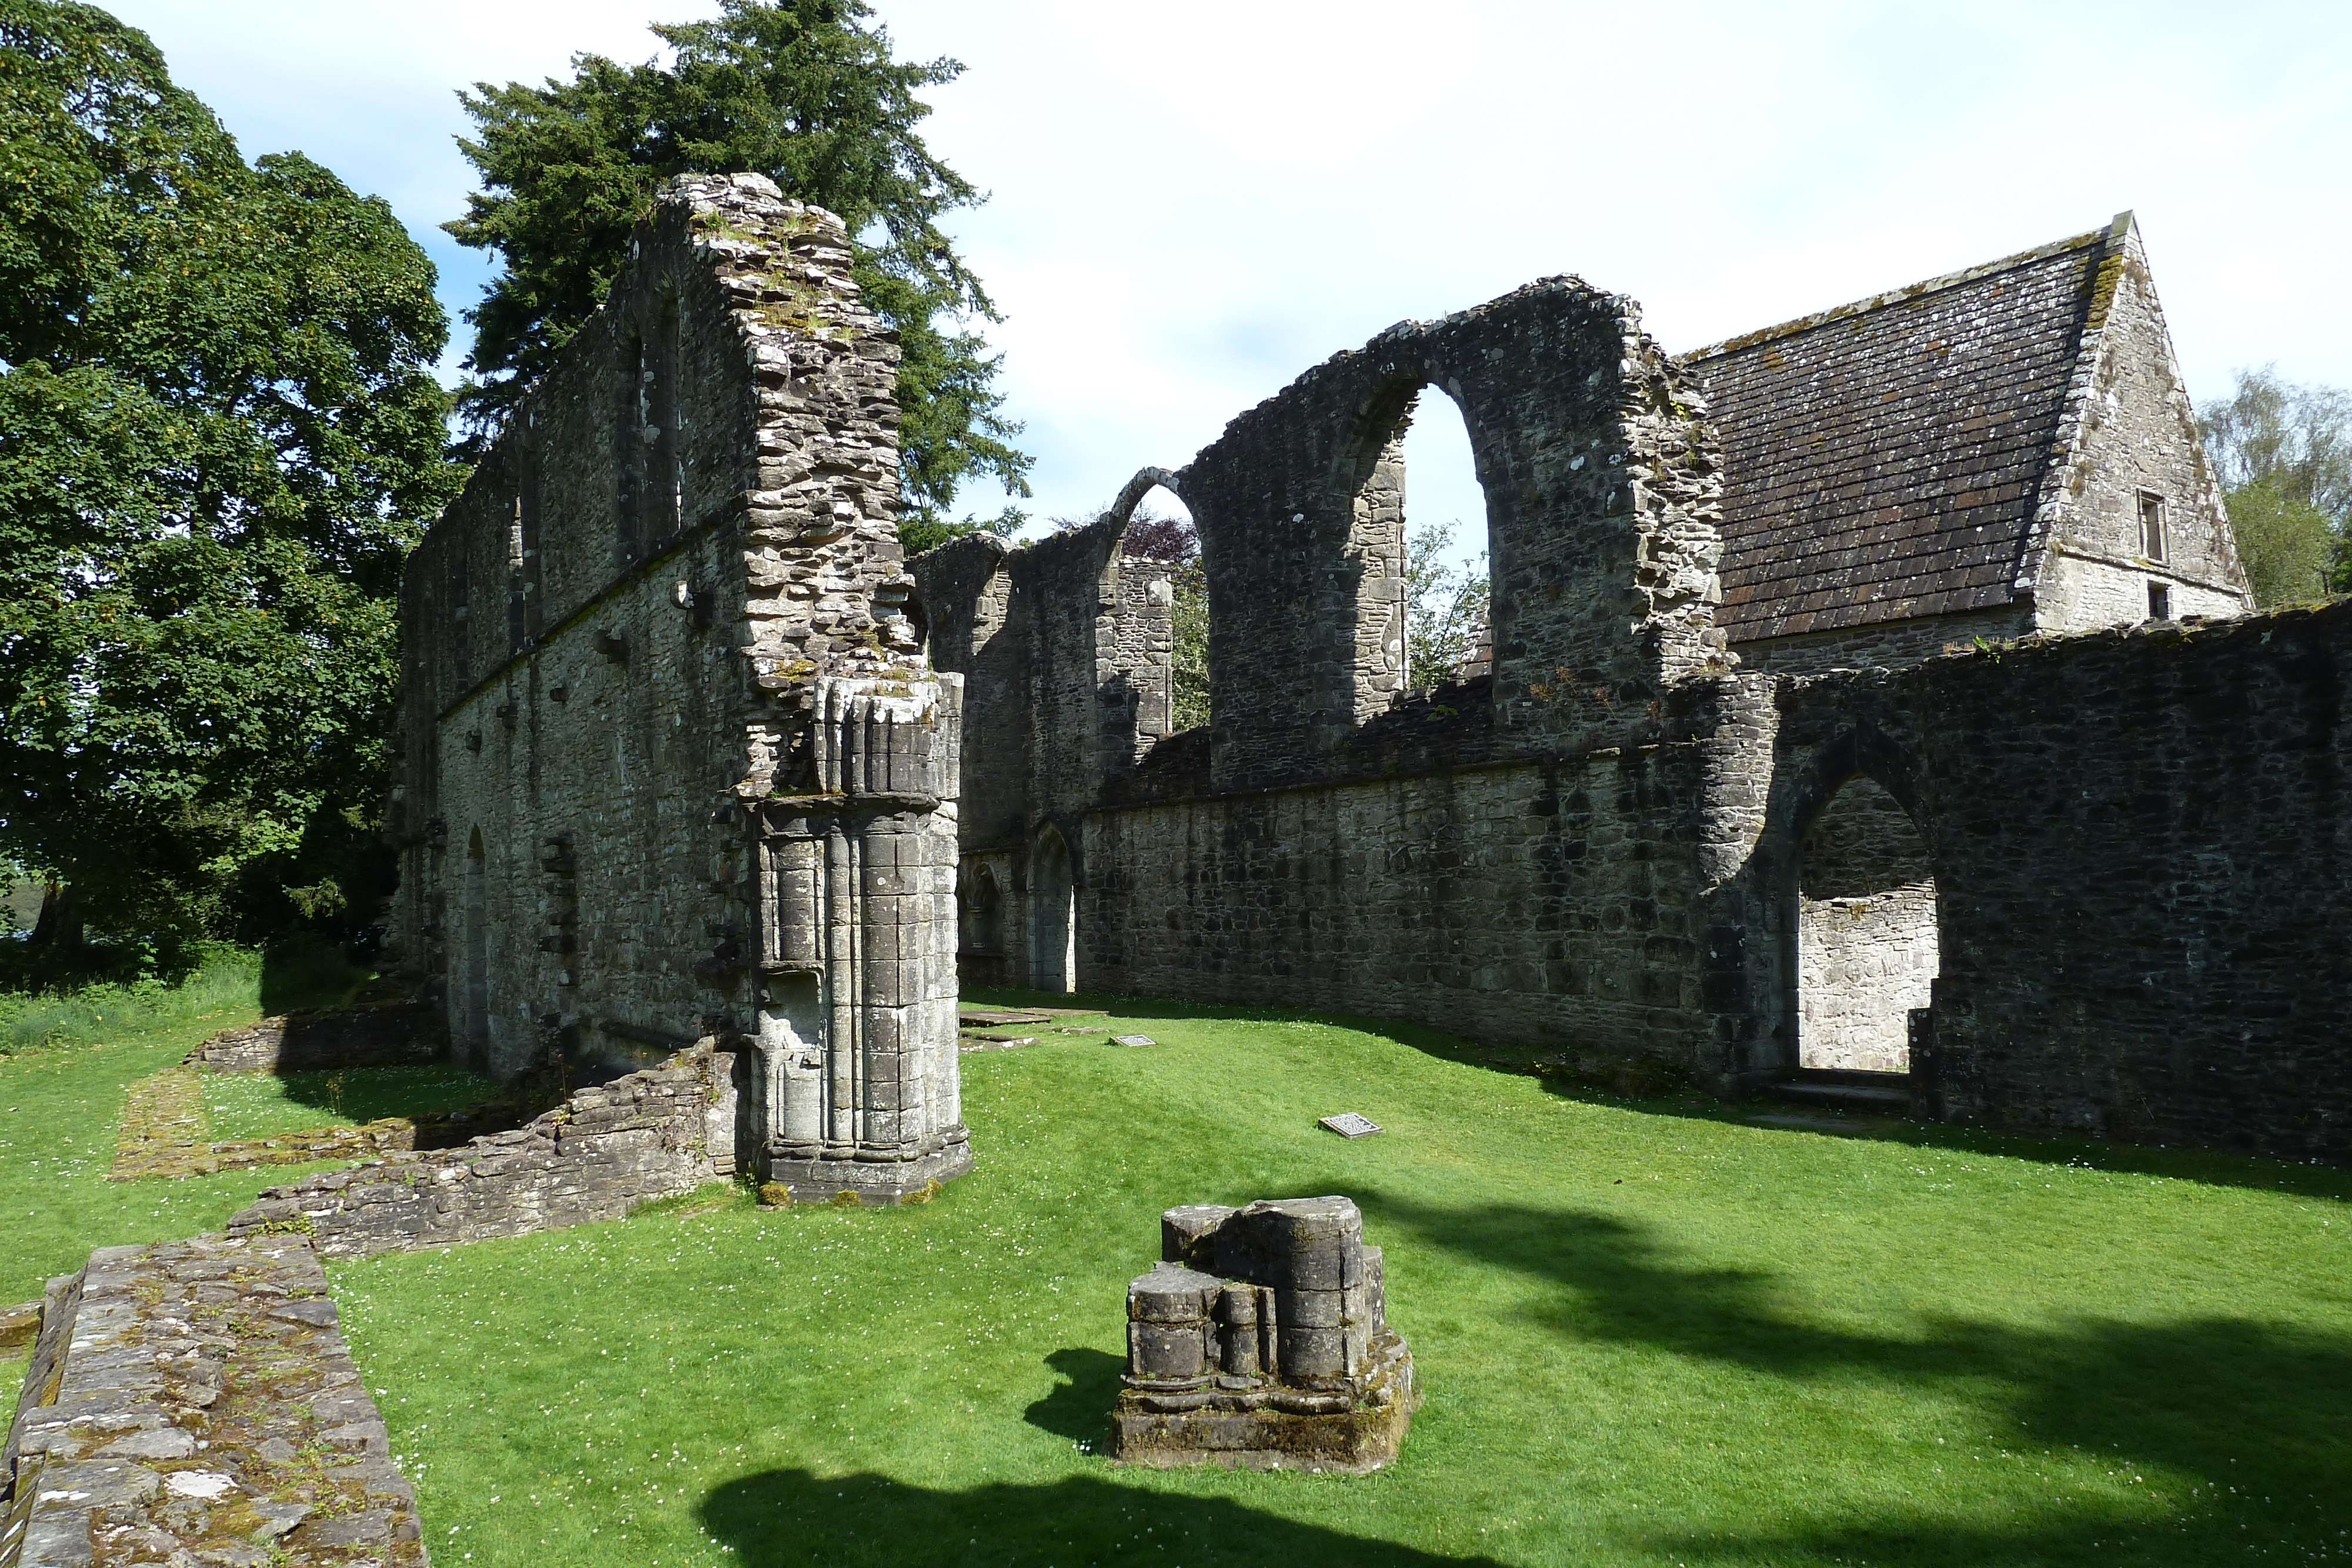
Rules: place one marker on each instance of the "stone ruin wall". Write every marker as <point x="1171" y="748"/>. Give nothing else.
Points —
<point x="653" y="1134"/>
<point x="194" y="1401"/>
<point x="1203" y="867"/>
<point x="2141" y="843"/>
<point x="1545" y="902"/>
<point x="1602" y="844"/>
<point x="674" y="761"/>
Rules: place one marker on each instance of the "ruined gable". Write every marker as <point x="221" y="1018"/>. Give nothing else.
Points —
<point x="674" y="759"/>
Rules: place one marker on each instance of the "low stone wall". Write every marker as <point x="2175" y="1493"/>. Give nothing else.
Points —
<point x="194" y="1401"/>
<point x="393" y="1034"/>
<point x="650" y="1135"/>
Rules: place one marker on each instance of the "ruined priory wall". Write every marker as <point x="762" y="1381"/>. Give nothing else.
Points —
<point x="653" y="1134"/>
<point x="611" y="639"/>
<point x="1604" y="489"/>
<point x="194" y="1401"/>
<point x="2142" y="841"/>
<point x="1543" y="901"/>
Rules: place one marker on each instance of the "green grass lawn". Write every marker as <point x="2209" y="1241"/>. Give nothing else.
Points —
<point x="1648" y="1334"/>
<point x="260" y="1105"/>
<point x="64" y="1063"/>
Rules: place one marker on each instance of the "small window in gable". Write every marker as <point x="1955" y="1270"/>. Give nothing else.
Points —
<point x="2151" y="526"/>
<point x="2159" y="601"/>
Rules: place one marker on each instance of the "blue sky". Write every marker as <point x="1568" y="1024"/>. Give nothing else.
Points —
<point x="1191" y="205"/>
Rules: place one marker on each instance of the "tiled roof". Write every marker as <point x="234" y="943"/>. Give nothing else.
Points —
<point x="1882" y="460"/>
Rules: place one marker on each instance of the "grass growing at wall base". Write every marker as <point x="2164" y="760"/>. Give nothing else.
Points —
<point x="61" y="1101"/>
<point x="1649" y="1334"/>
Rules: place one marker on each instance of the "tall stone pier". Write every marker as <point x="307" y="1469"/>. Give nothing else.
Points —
<point x="675" y="763"/>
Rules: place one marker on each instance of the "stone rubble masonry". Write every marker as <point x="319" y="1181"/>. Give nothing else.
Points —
<point x="194" y="1401"/>
<point x="653" y="1134"/>
<point x="2142" y="848"/>
<point x="672" y="760"/>
<point x="1596" y="845"/>
<point x="1261" y="1339"/>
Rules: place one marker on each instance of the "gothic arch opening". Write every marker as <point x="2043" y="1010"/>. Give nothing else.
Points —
<point x="983" y="912"/>
<point x="1419" y="542"/>
<point x="1448" y="579"/>
<point x="1162" y="549"/>
<point x="1867" y="948"/>
<point x="1052" y="915"/>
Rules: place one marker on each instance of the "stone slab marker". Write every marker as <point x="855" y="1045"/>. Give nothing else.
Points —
<point x="1261" y="1339"/>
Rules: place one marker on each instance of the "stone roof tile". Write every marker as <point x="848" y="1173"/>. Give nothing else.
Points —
<point x="1882" y="459"/>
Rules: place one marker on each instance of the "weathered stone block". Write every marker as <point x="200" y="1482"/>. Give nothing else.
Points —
<point x="1257" y="1371"/>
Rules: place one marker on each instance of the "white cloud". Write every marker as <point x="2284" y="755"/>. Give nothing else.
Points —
<point x="1191" y="205"/>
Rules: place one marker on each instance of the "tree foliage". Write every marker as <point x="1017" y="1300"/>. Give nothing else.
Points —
<point x="218" y="434"/>
<point x="2282" y="454"/>
<point x="804" y="92"/>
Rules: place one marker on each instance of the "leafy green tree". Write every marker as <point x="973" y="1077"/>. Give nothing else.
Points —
<point x="804" y="92"/>
<point x="220" y="433"/>
<point x="2286" y="546"/>
<point x="2284" y="455"/>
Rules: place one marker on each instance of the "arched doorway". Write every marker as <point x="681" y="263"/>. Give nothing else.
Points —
<point x="1867" y="951"/>
<point x="1052" y="915"/>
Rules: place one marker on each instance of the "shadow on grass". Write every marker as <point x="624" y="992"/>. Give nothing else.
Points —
<point x="1079" y="1407"/>
<point x="307" y="971"/>
<point x="2210" y="1167"/>
<point x="367" y="1093"/>
<point x="2256" y="1415"/>
<point x="780" y="1517"/>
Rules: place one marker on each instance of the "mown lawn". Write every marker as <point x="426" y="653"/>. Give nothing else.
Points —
<point x="262" y="1105"/>
<point x="1649" y="1334"/>
<point x="64" y="1064"/>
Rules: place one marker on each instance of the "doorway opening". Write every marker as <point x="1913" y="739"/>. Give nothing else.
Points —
<point x="1867" y="951"/>
<point x="1052" y="915"/>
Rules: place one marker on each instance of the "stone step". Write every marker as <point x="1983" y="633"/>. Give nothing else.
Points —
<point x="1870" y="1093"/>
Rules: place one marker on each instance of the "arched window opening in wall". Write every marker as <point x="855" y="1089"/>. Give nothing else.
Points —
<point x="1160" y="530"/>
<point x="1052" y="915"/>
<point x="522" y="546"/>
<point x="982" y="930"/>
<point x="650" y="474"/>
<point x="1447" y="581"/>
<point x="1866" y="940"/>
<point x="474" y="994"/>
<point x="1418" y="573"/>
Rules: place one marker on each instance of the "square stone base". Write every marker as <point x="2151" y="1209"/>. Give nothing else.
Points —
<point x="876" y="1185"/>
<point x="1269" y="1429"/>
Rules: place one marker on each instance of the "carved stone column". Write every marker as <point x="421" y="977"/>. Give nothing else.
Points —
<point x="856" y="1087"/>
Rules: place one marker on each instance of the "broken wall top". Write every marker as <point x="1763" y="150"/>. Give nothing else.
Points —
<point x="732" y="387"/>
